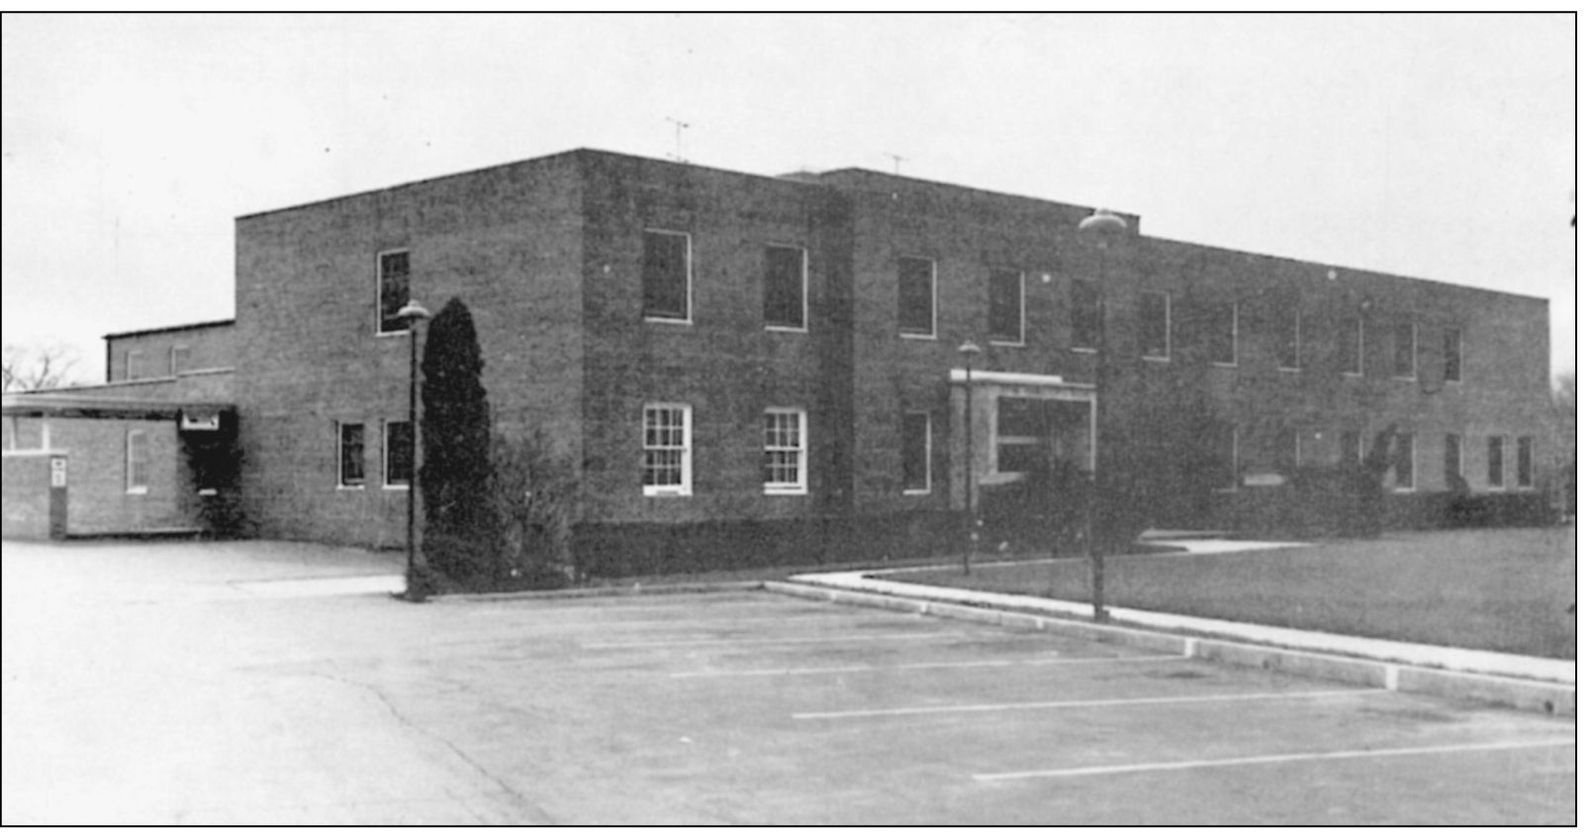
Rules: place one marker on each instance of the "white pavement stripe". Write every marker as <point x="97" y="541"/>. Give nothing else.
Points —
<point x="964" y="664"/>
<point x="1276" y="759"/>
<point x="1113" y="702"/>
<point x="740" y="640"/>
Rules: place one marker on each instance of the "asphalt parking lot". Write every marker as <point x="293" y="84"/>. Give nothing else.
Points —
<point x="226" y="704"/>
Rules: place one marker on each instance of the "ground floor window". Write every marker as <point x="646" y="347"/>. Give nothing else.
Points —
<point x="351" y="454"/>
<point x="1453" y="460"/>
<point x="1350" y="448"/>
<point x="1525" y="462"/>
<point x="667" y="449"/>
<point x="785" y="451"/>
<point x="1226" y="455"/>
<point x="916" y="452"/>
<point x="1404" y="465"/>
<point x="398" y="454"/>
<point x="1497" y="461"/>
<point x="138" y="461"/>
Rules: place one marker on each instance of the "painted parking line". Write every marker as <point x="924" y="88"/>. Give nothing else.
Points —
<point x="1112" y="702"/>
<point x="685" y="623"/>
<point x="647" y="644"/>
<point x="963" y="664"/>
<point x="1243" y="761"/>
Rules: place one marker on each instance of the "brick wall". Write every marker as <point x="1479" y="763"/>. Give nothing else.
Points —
<point x="210" y="346"/>
<point x="26" y="504"/>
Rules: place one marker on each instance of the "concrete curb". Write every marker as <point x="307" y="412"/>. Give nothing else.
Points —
<point x="1544" y="696"/>
<point x="608" y="591"/>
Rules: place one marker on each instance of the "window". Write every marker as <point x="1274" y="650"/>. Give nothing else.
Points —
<point x="786" y="284"/>
<point x="351" y="455"/>
<point x="916" y="297"/>
<point x="1453" y="461"/>
<point x="785" y="451"/>
<point x="1453" y="355"/>
<point x="1348" y="346"/>
<point x="1226" y="455"/>
<point x="1085" y="315"/>
<point x="1287" y="450"/>
<point x="393" y="290"/>
<point x="916" y="453"/>
<point x="1152" y="317"/>
<point x="1218" y="323"/>
<point x="1404" y="355"/>
<point x="398" y="454"/>
<point x="179" y="359"/>
<point x="138" y="461"/>
<point x="1404" y="462"/>
<point x="667" y="276"/>
<point x="667" y="450"/>
<point x="1289" y="341"/>
<point x="135" y="364"/>
<point x="1525" y="462"/>
<point x="1497" y="461"/>
<point x="1005" y="315"/>
<point x="1350" y="448"/>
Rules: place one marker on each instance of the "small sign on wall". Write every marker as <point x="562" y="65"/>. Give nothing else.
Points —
<point x="57" y="472"/>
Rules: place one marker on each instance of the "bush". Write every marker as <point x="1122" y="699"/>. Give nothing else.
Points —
<point x="461" y="535"/>
<point x="533" y="490"/>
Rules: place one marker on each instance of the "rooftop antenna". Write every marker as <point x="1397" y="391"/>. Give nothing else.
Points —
<point x="897" y="162"/>
<point x="680" y="126"/>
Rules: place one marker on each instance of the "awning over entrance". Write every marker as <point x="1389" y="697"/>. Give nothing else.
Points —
<point x="91" y="406"/>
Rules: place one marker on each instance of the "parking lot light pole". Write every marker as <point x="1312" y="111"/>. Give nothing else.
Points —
<point x="1101" y="225"/>
<point x="969" y="350"/>
<point x="412" y="314"/>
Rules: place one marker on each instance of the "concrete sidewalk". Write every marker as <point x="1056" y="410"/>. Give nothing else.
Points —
<point x="1539" y="684"/>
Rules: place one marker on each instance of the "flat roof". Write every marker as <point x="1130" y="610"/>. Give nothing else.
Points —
<point x="171" y="328"/>
<point x="91" y="406"/>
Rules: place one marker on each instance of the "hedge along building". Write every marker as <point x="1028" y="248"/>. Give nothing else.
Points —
<point x="744" y="368"/>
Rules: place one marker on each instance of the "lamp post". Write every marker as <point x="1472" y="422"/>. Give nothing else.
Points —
<point x="412" y="314"/>
<point x="969" y="350"/>
<point x="1101" y="225"/>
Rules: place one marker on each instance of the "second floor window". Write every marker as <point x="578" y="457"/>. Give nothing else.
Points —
<point x="1006" y="306"/>
<point x="1453" y="355"/>
<point x="1404" y="353"/>
<point x="135" y="364"/>
<point x="393" y="290"/>
<point x="179" y="359"/>
<point x="1152" y="314"/>
<point x="1085" y="315"/>
<point x="1219" y="323"/>
<point x="666" y="276"/>
<point x="1348" y="346"/>
<point x="785" y="287"/>
<point x="916" y="296"/>
<point x="1288" y="341"/>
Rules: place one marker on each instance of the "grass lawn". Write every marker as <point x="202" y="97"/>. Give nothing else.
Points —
<point x="1500" y="590"/>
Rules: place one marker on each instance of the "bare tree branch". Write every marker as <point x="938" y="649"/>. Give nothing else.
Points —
<point x="36" y="367"/>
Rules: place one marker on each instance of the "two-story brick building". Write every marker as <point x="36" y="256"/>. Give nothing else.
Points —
<point x="745" y="368"/>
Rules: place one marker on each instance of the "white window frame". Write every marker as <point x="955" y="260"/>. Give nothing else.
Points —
<point x="1361" y="354"/>
<point x="410" y="289"/>
<point x="128" y="363"/>
<point x="649" y="230"/>
<point x="1295" y="359"/>
<point x="1461" y="356"/>
<point x="1234" y="337"/>
<point x="1412" y="463"/>
<point x="1023" y="312"/>
<point x="685" y="487"/>
<point x="1168" y="328"/>
<point x="1410" y="373"/>
<point x="172" y="357"/>
<point x="1490" y="481"/>
<point x="801" y="486"/>
<point x="342" y="481"/>
<point x="778" y="328"/>
<point x="935" y="298"/>
<point x="1462" y="455"/>
<point x="1517" y="476"/>
<point x="387" y="451"/>
<point x="930" y="477"/>
<point x="138" y="485"/>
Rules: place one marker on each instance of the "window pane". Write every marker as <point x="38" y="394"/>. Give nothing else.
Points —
<point x="1403" y="444"/>
<point x="665" y="281"/>
<point x="1152" y="315"/>
<point x="665" y="447"/>
<point x="137" y="460"/>
<point x="1453" y="460"/>
<point x="1006" y="313"/>
<point x="135" y="364"/>
<point x="1217" y="321"/>
<point x="1525" y="461"/>
<point x="1350" y="448"/>
<point x="783" y="286"/>
<point x="1497" y="461"/>
<point x="1453" y="355"/>
<point x="1404" y="353"/>
<point x="179" y="359"/>
<point x="351" y="454"/>
<point x="400" y="450"/>
<point x="1085" y="315"/>
<point x="783" y="449"/>
<point x="916" y="296"/>
<point x="916" y="452"/>
<point x="1348" y="346"/>
<point x="394" y="277"/>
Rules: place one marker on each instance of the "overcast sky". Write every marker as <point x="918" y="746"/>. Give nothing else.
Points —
<point x="1439" y="147"/>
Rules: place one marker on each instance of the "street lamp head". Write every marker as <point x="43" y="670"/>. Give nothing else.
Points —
<point x="968" y="349"/>
<point x="1103" y="221"/>
<point x="411" y="313"/>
